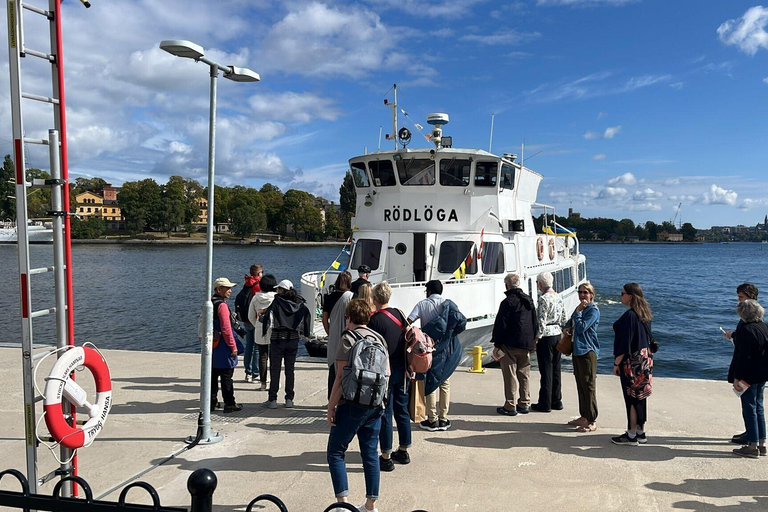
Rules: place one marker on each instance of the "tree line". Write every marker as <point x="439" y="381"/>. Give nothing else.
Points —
<point x="606" y="229"/>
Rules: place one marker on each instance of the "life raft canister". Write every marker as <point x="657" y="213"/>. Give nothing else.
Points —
<point x="540" y="248"/>
<point x="58" y="385"/>
<point x="552" y="249"/>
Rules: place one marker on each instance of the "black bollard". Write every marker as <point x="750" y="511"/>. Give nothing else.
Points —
<point x="201" y="484"/>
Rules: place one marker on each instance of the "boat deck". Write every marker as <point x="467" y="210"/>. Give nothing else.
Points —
<point x="486" y="462"/>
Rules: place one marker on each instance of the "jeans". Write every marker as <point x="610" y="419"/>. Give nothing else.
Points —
<point x="352" y="420"/>
<point x="279" y="350"/>
<point x="753" y="412"/>
<point x="397" y="407"/>
<point x="263" y="360"/>
<point x="548" y="357"/>
<point x="227" y="388"/>
<point x="249" y="357"/>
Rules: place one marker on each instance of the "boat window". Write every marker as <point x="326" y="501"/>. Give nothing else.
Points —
<point x="416" y="171"/>
<point x="558" y="284"/>
<point x="486" y="174"/>
<point x="567" y="278"/>
<point x="382" y="172"/>
<point x="367" y="252"/>
<point x="507" y="176"/>
<point x="358" y="174"/>
<point x="582" y="271"/>
<point x="493" y="258"/>
<point x="454" y="253"/>
<point x="454" y="172"/>
<point x="510" y="257"/>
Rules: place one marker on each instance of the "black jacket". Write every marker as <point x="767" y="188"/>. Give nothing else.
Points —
<point x="288" y="315"/>
<point x="749" y="363"/>
<point x="516" y="323"/>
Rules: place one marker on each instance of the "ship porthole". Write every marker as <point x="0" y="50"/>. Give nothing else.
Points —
<point x="400" y="248"/>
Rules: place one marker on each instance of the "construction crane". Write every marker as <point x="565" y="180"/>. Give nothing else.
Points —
<point x="677" y="212"/>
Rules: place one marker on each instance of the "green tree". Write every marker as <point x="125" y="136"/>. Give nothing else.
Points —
<point x="7" y="179"/>
<point x="141" y="204"/>
<point x="90" y="228"/>
<point x="688" y="231"/>
<point x="86" y="184"/>
<point x="348" y="194"/>
<point x="175" y="203"/>
<point x="652" y="228"/>
<point x="38" y="198"/>
<point x="333" y="225"/>
<point x="300" y="211"/>
<point x="220" y="204"/>
<point x="273" y="207"/>
<point x="246" y="211"/>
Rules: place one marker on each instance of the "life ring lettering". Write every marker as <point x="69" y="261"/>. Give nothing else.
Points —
<point x="59" y="385"/>
<point x="540" y="248"/>
<point x="552" y="249"/>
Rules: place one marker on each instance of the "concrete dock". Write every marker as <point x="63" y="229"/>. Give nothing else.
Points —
<point x="485" y="462"/>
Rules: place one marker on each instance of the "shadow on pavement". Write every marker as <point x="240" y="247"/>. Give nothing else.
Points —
<point x="740" y="488"/>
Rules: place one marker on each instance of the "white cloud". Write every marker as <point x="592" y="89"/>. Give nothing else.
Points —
<point x="718" y="195"/>
<point x="682" y="197"/>
<point x="626" y="179"/>
<point x="644" y="207"/>
<point x="427" y="8"/>
<point x="646" y="194"/>
<point x="293" y="107"/>
<point x="749" y="203"/>
<point x="598" y="157"/>
<point x="502" y="38"/>
<point x="611" y="132"/>
<point x="747" y="32"/>
<point x="601" y="115"/>
<point x="638" y="82"/>
<point x="584" y="3"/>
<point x="612" y="192"/>
<point x="591" y="135"/>
<point x="765" y="80"/>
<point x="598" y="84"/>
<point x="677" y="85"/>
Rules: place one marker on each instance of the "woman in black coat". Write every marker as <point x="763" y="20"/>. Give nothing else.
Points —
<point x="749" y="372"/>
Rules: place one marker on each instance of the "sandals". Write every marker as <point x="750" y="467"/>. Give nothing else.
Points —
<point x="579" y="422"/>
<point x="587" y="428"/>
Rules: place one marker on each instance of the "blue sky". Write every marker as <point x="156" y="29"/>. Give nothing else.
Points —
<point x="628" y="108"/>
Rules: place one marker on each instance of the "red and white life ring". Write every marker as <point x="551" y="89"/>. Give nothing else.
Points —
<point x="552" y="249"/>
<point x="540" y="248"/>
<point x="58" y="385"/>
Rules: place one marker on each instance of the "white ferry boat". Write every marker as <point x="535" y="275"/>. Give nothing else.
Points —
<point x="463" y="216"/>
<point x="36" y="232"/>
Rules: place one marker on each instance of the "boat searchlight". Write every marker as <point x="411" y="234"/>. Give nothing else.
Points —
<point x="369" y="198"/>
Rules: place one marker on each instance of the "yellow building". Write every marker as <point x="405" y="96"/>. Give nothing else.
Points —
<point x="89" y="204"/>
<point x="202" y="219"/>
<point x="102" y="204"/>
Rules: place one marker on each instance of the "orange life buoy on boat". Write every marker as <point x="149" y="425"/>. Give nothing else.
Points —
<point x="540" y="248"/>
<point x="552" y="249"/>
<point x="59" y="385"/>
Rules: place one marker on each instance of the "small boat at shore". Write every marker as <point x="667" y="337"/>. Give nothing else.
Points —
<point x="462" y="216"/>
<point x="37" y="232"/>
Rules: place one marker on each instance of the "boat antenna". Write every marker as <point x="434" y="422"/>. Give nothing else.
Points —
<point x="490" y="144"/>
<point x="379" y="147"/>
<point x="394" y="117"/>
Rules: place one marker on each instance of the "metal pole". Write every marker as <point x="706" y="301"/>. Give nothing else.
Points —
<point x="207" y="343"/>
<point x="59" y="277"/>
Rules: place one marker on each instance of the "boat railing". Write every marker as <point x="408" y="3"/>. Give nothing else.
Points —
<point x="572" y="234"/>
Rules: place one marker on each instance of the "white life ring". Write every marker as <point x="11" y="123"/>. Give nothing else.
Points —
<point x="551" y="249"/>
<point x="58" y="385"/>
<point x="540" y="248"/>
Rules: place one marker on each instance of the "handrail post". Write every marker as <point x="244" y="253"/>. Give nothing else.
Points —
<point x="201" y="484"/>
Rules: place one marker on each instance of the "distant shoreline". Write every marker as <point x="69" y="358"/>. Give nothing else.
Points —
<point x="161" y="241"/>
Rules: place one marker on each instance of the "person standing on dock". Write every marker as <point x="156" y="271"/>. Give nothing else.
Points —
<point x="744" y="291"/>
<point x="586" y="348"/>
<point x="363" y="273"/>
<point x="514" y="332"/>
<point x="334" y="320"/>
<point x="442" y="321"/>
<point x="350" y="420"/>
<point x="551" y="315"/>
<point x="224" y="357"/>
<point x="242" y="303"/>
<point x="261" y="301"/>
<point x="288" y="315"/>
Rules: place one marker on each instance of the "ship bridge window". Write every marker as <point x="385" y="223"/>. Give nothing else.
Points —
<point x="358" y="174"/>
<point x="416" y="171"/>
<point x="382" y="172"/>
<point x="507" y="176"/>
<point x="453" y="254"/>
<point x="486" y="174"/>
<point x="367" y="252"/>
<point x="493" y="258"/>
<point x="454" y="172"/>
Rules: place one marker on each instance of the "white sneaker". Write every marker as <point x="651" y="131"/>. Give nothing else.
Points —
<point x="362" y="508"/>
<point x="288" y="404"/>
<point x="248" y="378"/>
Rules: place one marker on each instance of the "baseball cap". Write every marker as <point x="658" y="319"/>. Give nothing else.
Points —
<point x="285" y="284"/>
<point x="223" y="281"/>
<point x="364" y="269"/>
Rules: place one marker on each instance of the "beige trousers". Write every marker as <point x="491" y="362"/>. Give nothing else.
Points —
<point x="443" y="401"/>
<point x="516" y="369"/>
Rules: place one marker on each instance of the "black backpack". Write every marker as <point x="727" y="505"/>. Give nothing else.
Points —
<point x="242" y="301"/>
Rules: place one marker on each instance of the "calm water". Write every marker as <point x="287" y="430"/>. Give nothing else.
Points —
<point x="148" y="298"/>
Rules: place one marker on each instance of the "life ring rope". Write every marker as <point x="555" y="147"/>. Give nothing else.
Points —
<point x="60" y="387"/>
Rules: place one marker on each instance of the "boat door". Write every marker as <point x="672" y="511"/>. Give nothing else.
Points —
<point x="406" y="257"/>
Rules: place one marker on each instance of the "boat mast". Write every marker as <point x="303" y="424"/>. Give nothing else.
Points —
<point x="394" y="118"/>
<point x="490" y="144"/>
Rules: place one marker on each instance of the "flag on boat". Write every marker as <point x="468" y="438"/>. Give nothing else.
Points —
<point x="461" y="272"/>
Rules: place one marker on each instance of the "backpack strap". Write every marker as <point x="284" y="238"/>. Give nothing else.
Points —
<point x="393" y="318"/>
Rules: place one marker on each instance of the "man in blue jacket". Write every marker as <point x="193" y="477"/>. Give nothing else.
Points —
<point x="442" y="321"/>
<point x="514" y="332"/>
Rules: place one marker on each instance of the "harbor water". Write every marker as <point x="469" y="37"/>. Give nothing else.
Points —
<point x="148" y="297"/>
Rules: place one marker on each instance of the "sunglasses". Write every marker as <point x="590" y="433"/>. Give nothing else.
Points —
<point x="584" y="291"/>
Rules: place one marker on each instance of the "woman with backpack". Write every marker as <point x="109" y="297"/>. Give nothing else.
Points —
<point x="288" y="316"/>
<point x="225" y="349"/>
<point x="362" y="419"/>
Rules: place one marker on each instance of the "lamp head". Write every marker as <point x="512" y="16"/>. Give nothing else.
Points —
<point x="242" y="75"/>
<point x="368" y="200"/>
<point x="182" y="48"/>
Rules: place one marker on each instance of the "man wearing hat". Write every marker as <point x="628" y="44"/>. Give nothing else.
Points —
<point x="363" y="271"/>
<point x="224" y="356"/>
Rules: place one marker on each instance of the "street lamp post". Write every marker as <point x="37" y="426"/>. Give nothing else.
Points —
<point x="190" y="50"/>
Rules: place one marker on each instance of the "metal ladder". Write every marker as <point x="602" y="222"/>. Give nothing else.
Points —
<point x="62" y="255"/>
